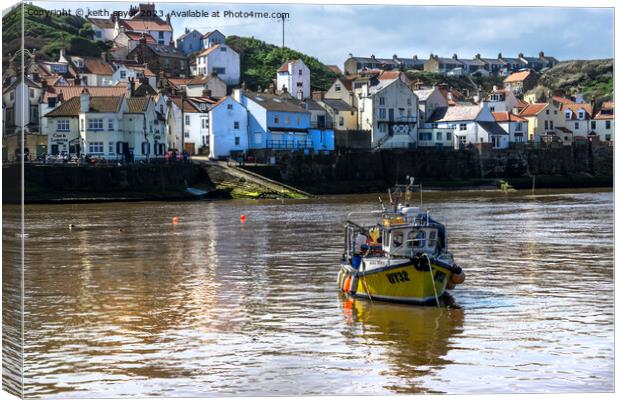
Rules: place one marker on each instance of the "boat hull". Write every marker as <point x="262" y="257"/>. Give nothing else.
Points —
<point x="401" y="282"/>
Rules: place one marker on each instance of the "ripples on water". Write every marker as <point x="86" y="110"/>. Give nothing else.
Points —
<point x="215" y="307"/>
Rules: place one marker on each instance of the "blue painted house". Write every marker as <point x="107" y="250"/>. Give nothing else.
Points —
<point x="281" y="123"/>
<point x="190" y="41"/>
<point x="212" y="38"/>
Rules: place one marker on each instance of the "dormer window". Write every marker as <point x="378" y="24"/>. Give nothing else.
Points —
<point x="582" y="114"/>
<point x="567" y="114"/>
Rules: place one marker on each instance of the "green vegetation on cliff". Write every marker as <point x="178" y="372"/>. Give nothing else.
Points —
<point x="260" y="60"/>
<point x="464" y="84"/>
<point x="593" y="78"/>
<point x="48" y="33"/>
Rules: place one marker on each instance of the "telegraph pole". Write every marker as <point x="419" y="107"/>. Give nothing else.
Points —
<point x="283" y="20"/>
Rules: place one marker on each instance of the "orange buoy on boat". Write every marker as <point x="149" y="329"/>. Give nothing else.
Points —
<point x="458" y="279"/>
<point x="175" y="220"/>
<point x="347" y="285"/>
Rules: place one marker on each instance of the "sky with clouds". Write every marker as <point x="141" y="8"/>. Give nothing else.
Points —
<point x="331" y="32"/>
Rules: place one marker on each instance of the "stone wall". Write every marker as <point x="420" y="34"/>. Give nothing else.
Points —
<point x="53" y="182"/>
<point x="433" y="165"/>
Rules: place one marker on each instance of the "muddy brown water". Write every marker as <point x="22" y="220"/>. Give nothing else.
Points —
<point x="126" y="303"/>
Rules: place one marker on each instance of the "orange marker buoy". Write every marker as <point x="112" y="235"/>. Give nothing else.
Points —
<point x="347" y="285"/>
<point x="175" y="220"/>
<point x="242" y="218"/>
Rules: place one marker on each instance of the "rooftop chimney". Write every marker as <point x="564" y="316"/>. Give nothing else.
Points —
<point x="318" y="95"/>
<point x="237" y="94"/>
<point x="454" y="56"/>
<point x="104" y="56"/>
<point x="61" y="57"/>
<point x="541" y="54"/>
<point x="84" y="101"/>
<point x="132" y="86"/>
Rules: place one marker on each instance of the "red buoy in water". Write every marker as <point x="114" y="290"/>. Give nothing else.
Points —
<point x="175" y="220"/>
<point x="242" y="218"/>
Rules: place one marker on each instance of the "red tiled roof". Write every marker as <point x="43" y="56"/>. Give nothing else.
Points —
<point x="575" y="107"/>
<point x="69" y="92"/>
<point x="517" y="77"/>
<point x="138" y="35"/>
<point x="137" y="105"/>
<point x="188" y="106"/>
<point x="532" y="109"/>
<point x="147" y="25"/>
<point x="284" y="67"/>
<point x="335" y="69"/>
<point x="101" y="104"/>
<point x="504" y="116"/>
<point x="95" y="65"/>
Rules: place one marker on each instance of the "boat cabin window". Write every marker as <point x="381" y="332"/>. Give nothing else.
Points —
<point x="397" y="239"/>
<point x="419" y="236"/>
<point x="432" y="238"/>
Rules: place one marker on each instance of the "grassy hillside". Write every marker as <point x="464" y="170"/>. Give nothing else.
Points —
<point x="260" y="60"/>
<point x="464" y="84"/>
<point x="593" y="78"/>
<point x="48" y="34"/>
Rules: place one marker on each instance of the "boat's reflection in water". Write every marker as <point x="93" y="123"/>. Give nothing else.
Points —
<point x="413" y="340"/>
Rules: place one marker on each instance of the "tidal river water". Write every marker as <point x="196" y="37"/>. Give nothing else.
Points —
<point x="126" y="303"/>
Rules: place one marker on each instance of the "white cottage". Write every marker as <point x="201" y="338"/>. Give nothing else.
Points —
<point x="222" y="60"/>
<point x="294" y="76"/>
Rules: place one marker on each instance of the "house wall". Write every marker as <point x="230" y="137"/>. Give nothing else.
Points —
<point x="339" y="91"/>
<point x="399" y="97"/>
<point x="215" y="38"/>
<point x="190" y="43"/>
<point x="215" y="85"/>
<point x="443" y="137"/>
<point x="604" y="133"/>
<point x="196" y="132"/>
<point x="292" y="79"/>
<point x="228" y="59"/>
<point x="516" y="135"/>
<point x="222" y="132"/>
<point x="61" y="138"/>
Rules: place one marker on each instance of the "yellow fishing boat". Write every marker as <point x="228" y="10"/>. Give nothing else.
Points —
<point x="402" y="257"/>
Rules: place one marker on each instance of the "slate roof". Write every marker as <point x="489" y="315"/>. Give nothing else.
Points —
<point x="492" y="127"/>
<point x="183" y="36"/>
<point x="454" y="114"/>
<point x="338" y="105"/>
<point x="188" y="106"/>
<point x="274" y="103"/>
<point x="100" y="104"/>
<point x="166" y="51"/>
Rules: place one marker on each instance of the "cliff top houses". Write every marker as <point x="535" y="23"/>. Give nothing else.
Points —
<point x="454" y="65"/>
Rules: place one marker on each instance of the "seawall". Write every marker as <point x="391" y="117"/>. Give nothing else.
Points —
<point x="53" y="183"/>
<point x="585" y="165"/>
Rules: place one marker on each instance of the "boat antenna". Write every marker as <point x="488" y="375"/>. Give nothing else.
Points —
<point x="390" y="195"/>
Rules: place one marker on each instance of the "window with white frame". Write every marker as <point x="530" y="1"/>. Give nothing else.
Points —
<point x="425" y="135"/>
<point x="204" y="123"/>
<point x="237" y="140"/>
<point x="519" y="126"/>
<point x="448" y="135"/>
<point x="381" y="101"/>
<point x="576" y="125"/>
<point x="236" y="125"/>
<point x="337" y="88"/>
<point x="439" y="136"/>
<point x="581" y="114"/>
<point x="95" y="124"/>
<point x="187" y="120"/>
<point x="340" y="121"/>
<point x="462" y="127"/>
<point x="110" y="124"/>
<point x="592" y="124"/>
<point x="95" y="147"/>
<point x="123" y="74"/>
<point x="382" y="113"/>
<point x="607" y="125"/>
<point x="62" y="125"/>
<point x="111" y="148"/>
<point x="567" y="114"/>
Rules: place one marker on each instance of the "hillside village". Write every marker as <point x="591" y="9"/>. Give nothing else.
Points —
<point x="156" y="95"/>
